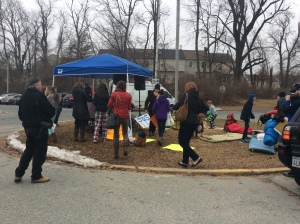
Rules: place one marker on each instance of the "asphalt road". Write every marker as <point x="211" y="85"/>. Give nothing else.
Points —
<point x="77" y="195"/>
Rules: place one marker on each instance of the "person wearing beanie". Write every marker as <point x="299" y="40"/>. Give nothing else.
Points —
<point x="246" y="115"/>
<point x="34" y="108"/>
<point x="280" y="102"/>
<point x="149" y="105"/>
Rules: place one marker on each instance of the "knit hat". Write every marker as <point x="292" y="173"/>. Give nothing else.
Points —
<point x="86" y="86"/>
<point x="281" y="94"/>
<point x="251" y="96"/>
<point x="31" y="81"/>
<point x="157" y="86"/>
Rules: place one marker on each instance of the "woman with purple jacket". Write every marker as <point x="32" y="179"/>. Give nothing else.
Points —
<point x="161" y="107"/>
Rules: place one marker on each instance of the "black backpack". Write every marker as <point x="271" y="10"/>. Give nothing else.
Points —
<point x="264" y="118"/>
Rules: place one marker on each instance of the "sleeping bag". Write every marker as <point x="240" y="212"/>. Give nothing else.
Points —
<point x="236" y="128"/>
<point x="271" y="136"/>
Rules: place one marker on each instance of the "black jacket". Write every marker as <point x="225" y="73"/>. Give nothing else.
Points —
<point x="247" y="111"/>
<point x="34" y="107"/>
<point x="196" y="106"/>
<point x="80" y="108"/>
<point x="150" y="101"/>
<point x="100" y="103"/>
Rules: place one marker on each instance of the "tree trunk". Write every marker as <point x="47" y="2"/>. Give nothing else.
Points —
<point x="197" y="38"/>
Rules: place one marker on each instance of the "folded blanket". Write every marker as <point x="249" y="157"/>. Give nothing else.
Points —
<point x="221" y="138"/>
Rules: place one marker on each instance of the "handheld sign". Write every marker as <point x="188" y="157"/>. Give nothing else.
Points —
<point x="143" y="120"/>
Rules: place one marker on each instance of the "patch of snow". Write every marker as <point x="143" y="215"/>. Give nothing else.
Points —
<point x="62" y="154"/>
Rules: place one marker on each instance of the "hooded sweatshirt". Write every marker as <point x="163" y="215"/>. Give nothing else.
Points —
<point x="161" y="107"/>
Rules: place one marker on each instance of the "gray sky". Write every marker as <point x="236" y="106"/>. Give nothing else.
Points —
<point x="171" y="22"/>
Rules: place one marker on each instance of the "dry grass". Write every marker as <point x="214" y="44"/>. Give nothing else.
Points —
<point x="259" y="104"/>
<point x="226" y="155"/>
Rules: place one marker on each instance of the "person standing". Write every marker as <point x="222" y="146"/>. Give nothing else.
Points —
<point x="120" y="103"/>
<point x="212" y="114"/>
<point x="187" y="127"/>
<point x="80" y="110"/>
<point x="246" y="115"/>
<point x="33" y="109"/>
<point x="58" y="110"/>
<point x="149" y="105"/>
<point x="53" y="99"/>
<point x="161" y="107"/>
<point x="101" y="99"/>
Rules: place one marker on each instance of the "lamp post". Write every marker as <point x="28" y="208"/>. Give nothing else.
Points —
<point x="177" y="50"/>
<point x="8" y="61"/>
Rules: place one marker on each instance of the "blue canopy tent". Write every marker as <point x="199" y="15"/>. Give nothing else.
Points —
<point x="101" y="67"/>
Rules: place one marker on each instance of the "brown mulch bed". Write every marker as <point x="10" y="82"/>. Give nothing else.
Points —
<point x="226" y="155"/>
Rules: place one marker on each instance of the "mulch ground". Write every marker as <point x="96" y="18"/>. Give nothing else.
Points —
<point x="226" y="155"/>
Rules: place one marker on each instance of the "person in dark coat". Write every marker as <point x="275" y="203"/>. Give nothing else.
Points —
<point x="149" y="105"/>
<point x="80" y="110"/>
<point x="187" y="128"/>
<point x="101" y="99"/>
<point x="160" y="108"/>
<point x="33" y="109"/>
<point x="246" y="115"/>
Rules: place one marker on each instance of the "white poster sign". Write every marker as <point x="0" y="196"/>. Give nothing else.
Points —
<point x="143" y="120"/>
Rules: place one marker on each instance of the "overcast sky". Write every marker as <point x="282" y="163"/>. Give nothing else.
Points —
<point x="171" y="22"/>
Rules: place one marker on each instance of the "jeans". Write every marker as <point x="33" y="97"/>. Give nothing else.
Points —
<point x="246" y="130"/>
<point x="185" y="134"/>
<point x="36" y="148"/>
<point x="152" y="126"/>
<point x="81" y="123"/>
<point x="161" y="126"/>
<point x="58" y="111"/>
<point x="124" y="123"/>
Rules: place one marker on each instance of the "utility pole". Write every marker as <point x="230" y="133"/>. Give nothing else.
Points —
<point x="157" y="37"/>
<point x="8" y="61"/>
<point x="177" y="50"/>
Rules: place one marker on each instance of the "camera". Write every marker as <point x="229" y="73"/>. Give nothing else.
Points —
<point x="295" y="86"/>
<point x="293" y="96"/>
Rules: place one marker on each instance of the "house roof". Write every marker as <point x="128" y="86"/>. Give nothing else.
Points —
<point x="216" y="57"/>
<point x="170" y="54"/>
<point x="267" y="78"/>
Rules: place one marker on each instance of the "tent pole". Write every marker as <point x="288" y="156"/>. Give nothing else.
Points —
<point x="53" y="81"/>
<point x="94" y="85"/>
<point x="127" y="85"/>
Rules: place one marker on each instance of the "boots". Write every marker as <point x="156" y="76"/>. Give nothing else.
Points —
<point x="125" y="149"/>
<point x="160" y="141"/>
<point x="76" y="131"/>
<point x="116" y="148"/>
<point x="54" y="138"/>
<point x="82" y="131"/>
<point x="50" y="139"/>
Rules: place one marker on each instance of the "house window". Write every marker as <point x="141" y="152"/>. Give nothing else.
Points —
<point x="202" y="64"/>
<point x="219" y="67"/>
<point x="162" y="64"/>
<point x="190" y="64"/>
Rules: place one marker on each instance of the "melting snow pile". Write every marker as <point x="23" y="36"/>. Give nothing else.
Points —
<point x="62" y="154"/>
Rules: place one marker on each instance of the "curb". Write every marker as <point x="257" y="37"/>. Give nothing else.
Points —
<point x="228" y="172"/>
<point x="217" y="172"/>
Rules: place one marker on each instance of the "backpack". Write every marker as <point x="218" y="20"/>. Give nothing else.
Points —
<point x="264" y="118"/>
<point x="140" y="139"/>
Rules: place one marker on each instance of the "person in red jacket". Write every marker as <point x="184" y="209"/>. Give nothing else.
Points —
<point x="230" y="120"/>
<point x="120" y="103"/>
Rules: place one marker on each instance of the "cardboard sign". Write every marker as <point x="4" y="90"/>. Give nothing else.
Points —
<point x="154" y="121"/>
<point x="143" y="120"/>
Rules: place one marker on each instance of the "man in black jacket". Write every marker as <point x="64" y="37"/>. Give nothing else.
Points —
<point x="33" y="109"/>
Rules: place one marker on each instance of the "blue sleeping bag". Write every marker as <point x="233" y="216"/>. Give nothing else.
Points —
<point x="258" y="146"/>
<point x="271" y="136"/>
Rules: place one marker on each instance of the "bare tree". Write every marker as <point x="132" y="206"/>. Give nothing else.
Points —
<point x="80" y="23"/>
<point x="63" y="34"/>
<point x="46" y="21"/>
<point x="246" y="16"/>
<point x="116" y="24"/>
<point x="286" y="44"/>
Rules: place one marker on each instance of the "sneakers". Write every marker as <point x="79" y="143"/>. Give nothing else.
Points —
<point x="104" y="140"/>
<point x="244" y="141"/>
<point x="18" y="179"/>
<point x="41" y="180"/>
<point x="95" y="141"/>
<point x="248" y="138"/>
<point x="213" y="126"/>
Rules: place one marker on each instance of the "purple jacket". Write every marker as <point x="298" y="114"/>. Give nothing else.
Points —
<point x="161" y="107"/>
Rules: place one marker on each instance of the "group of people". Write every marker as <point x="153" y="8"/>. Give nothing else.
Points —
<point x="39" y="105"/>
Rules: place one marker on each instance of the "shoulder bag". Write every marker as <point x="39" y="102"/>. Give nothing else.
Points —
<point x="113" y="119"/>
<point x="182" y="112"/>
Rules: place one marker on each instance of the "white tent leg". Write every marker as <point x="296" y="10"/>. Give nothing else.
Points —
<point x="53" y="81"/>
<point x="127" y="84"/>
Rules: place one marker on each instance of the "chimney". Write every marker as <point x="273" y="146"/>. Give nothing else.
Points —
<point x="180" y="47"/>
<point x="228" y="52"/>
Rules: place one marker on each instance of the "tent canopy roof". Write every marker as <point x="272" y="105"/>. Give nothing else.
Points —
<point x="101" y="66"/>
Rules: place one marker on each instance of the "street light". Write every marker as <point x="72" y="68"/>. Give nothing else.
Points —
<point x="8" y="61"/>
<point x="177" y="50"/>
